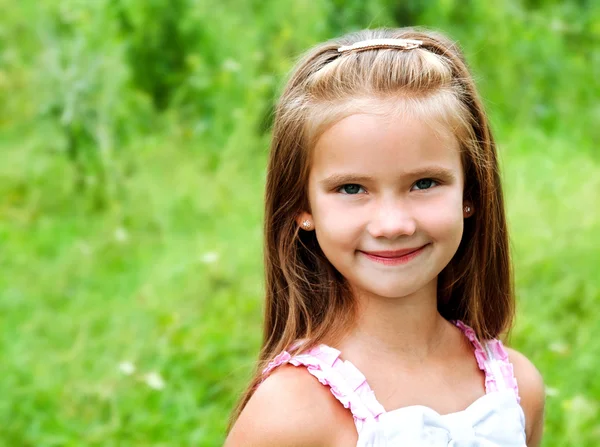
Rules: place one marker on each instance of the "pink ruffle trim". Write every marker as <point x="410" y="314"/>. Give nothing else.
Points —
<point x="499" y="356"/>
<point x="350" y="386"/>
<point x="344" y="380"/>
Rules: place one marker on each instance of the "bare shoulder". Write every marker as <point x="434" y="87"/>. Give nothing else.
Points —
<point x="532" y="392"/>
<point x="292" y="408"/>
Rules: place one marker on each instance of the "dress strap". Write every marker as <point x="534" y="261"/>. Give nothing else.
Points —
<point x="345" y="381"/>
<point x="492" y="359"/>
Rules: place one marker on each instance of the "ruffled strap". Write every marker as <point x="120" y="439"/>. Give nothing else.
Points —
<point x="492" y="359"/>
<point x="344" y="380"/>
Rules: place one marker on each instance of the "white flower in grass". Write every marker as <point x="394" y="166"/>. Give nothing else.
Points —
<point x="559" y="347"/>
<point x="583" y="406"/>
<point x="209" y="257"/>
<point x="558" y="26"/>
<point x="154" y="380"/>
<point x="200" y="127"/>
<point x="84" y="248"/>
<point x="231" y="65"/>
<point x="551" y="392"/>
<point x="121" y="235"/>
<point x="127" y="368"/>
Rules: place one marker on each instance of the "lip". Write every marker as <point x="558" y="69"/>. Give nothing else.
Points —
<point x="394" y="257"/>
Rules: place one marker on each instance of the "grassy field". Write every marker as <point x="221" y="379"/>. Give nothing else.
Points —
<point x="131" y="180"/>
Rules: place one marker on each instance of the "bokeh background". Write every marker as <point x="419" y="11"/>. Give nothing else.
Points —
<point x="133" y="139"/>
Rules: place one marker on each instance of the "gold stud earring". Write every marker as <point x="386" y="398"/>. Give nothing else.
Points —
<point x="307" y="225"/>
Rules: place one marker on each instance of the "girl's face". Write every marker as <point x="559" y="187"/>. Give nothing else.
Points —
<point x="386" y="195"/>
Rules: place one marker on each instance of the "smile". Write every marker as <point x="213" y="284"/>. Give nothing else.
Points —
<point x="396" y="257"/>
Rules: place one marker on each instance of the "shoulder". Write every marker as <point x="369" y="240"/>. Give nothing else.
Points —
<point x="532" y="392"/>
<point x="292" y="408"/>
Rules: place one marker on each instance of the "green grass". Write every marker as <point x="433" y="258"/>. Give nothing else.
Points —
<point x="79" y="297"/>
<point x="159" y="265"/>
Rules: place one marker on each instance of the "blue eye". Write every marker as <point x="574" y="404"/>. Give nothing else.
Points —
<point x="425" y="183"/>
<point x="350" y="189"/>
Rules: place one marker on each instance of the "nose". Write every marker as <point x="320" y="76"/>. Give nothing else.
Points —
<point x="391" y="220"/>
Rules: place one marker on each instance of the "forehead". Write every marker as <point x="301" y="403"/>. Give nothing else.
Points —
<point x="385" y="144"/>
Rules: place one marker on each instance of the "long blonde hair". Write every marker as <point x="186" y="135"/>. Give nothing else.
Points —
<point x="306" y="298"/>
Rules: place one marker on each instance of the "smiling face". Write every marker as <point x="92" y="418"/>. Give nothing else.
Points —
<point x="386" y="198"/>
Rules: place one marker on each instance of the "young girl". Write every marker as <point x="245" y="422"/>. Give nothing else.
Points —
<point x="388" y="275"/>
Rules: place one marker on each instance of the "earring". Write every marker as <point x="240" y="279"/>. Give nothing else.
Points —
<point x="307" y="225"/>
<point x="467" y="210"/>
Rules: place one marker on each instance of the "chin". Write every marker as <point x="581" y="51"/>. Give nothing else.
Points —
<point x="397" y="291"/>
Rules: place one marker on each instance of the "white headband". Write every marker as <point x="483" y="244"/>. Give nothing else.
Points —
<point x="404" y="44"/>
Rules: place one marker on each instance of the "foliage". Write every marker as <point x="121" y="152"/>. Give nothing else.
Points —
<point x="133" y="137"/>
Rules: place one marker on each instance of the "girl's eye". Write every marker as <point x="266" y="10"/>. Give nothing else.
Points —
<point x="425" y="183"/>
<point x="350" y="189"/>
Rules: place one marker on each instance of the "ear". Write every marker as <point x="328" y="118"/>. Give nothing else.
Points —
<point x="468" y="209"/>
<point x="305" y="221"/>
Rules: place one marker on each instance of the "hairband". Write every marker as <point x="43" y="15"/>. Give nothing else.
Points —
<point x="404" y="44"/>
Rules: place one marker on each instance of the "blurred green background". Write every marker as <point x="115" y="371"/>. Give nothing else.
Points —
<point x="133" y="139"/>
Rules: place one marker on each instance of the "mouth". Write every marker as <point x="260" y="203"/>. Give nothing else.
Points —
<point x="394" y="257"/>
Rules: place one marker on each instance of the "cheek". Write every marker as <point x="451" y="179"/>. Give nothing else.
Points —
<point x="336" y="223"/>
<point x="444" y="220"/>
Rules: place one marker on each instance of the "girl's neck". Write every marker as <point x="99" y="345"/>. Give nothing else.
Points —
<point x="409" y="329"/>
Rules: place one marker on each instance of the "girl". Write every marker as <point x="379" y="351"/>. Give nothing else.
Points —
<point x="386" y="254"/>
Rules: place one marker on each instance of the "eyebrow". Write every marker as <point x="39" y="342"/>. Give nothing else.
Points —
<point x="435" y="172"/>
